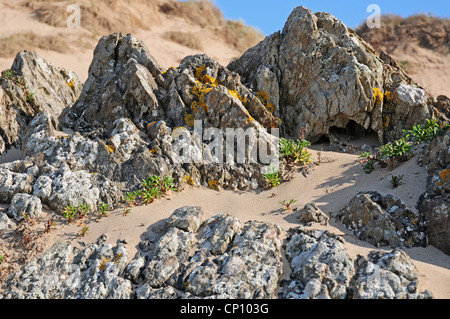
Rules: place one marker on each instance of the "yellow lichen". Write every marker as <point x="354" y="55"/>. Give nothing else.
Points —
<point x="189" y="119"/>
<point x="71" y="84"/>
<point x="386" y="122"/>
<point x="236" y="95"/>
<point x="263" y="97"/>
<point x="110" y="148"/>
<point x="213" y="184"/>
<point x="445" y="176"/>
<point x="188" y="180"/>
<point x="270" y="108"/>
<point x="377" y="96"/>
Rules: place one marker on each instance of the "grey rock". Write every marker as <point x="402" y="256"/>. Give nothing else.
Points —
<point x="218" y="233"/>
<point x="53" y="90"/>
<point x="386" y="275"/>
<point x="383" y="221"/>
<point x="321" y="76"/>
<point x="312" y="214"/>
<point x="24" y="204"/>
<point x="320" y="266"/>
<point x="186" y="218"/>
<point x="5" y="223"/>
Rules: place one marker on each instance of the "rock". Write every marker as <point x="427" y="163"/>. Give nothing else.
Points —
<point x="312" y="214"/>
<point x="171" y="251"/>
<point x="73" y="188"/>
<point x="35" y="86"/>
<point x="22" y="204"/>
<point x="434" y="204"/>
<point x="218" y="233"/>
<point x="12" y="183"/>
<point x="321" y="268"/>
<point x="321" y="76"/>
<point x="250" y="267"/>
<point x="386" y="275"/>
<point x="383" y="221"/>
<point x="186" y="218"/>
<point x="5" y="223"/>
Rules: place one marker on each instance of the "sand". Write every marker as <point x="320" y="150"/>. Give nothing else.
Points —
<point x="329" y="185"/>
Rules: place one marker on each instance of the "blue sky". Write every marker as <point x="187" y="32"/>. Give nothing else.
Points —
<point x="269" y="16"/>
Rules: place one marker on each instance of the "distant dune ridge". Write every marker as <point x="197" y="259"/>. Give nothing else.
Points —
<point x="172" y="29"/>
<point x="420" y="43"/>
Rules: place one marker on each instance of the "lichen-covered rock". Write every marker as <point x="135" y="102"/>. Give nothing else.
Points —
<point x="36" y="86"/>
<point x="321" y="76"/>
<point x="383" y="221"/>
<point x="12" y="183"/>
<point x="218" y="233"/>
<point x="5" y="223"/>
<point x="386" y="275"/>
<point x="321" y="268"/>
<point x="249" y="266"/>
<point x="186" y="218"/>
<point x="434" y="204"/>
<point x="312" y="214"/>
<point x="24" y="204"/>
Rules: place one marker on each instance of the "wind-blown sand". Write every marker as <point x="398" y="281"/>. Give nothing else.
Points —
<point x="329" y="185"/>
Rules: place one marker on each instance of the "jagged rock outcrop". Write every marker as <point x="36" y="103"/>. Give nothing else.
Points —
<point x="321" y="269"/>
<point x="31" y="86"/>
<point x="321" y="77"/>
<point x="222" y="259"/>
<point x="383" y="221"/>
<point x="434" y="204"/>
<point x="386" y="275"/>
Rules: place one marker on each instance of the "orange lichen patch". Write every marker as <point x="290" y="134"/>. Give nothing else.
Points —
<point x="386" y="122"/>
<point x="236" y="95"/>
<point x="188" y="180"/>
<point x="250" y="119"/>
<point x="263" y="97"/>
<point x="70" y="83"/>
<point x="388" y="96"/>
<point x="213" y="184"/>
<point x="189" y="119"/>
<point x="203" y="77"/>
<point x="270" y="108"/>
<point x="110" y="148"/>
<point x="95" y="173"/>
<point x="445" y="176"/>
<point x="377" y="96"/>
<point x="153" y="150"/>
<point x="278" y="121"/>
<point x="170" y="68"/>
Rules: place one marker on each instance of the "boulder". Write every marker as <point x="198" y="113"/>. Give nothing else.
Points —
<point x="434" y="204"/>
<point x="383" y="220"/>
<point x="31" y="86"/>
<point x="322" y="77"/>
<point x="186" y="218"/>
<point x="321" y="268"/>
<point x="22" y="204"/>
<point x="386" y="275"/>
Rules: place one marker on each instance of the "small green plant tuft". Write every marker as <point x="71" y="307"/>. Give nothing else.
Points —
<point x="272" y="178"/>
<point x="425" y="133"/>
<point x="288" y="205"/>
<point x="396" y="180"/>
<point x="103" y="209"/>
<point x="295" y="151"/>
